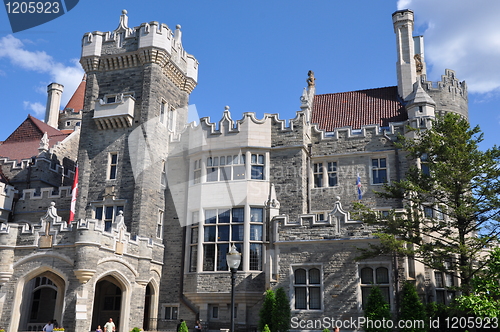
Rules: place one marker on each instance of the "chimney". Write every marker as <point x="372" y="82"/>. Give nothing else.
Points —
<point x="54" y="91"/>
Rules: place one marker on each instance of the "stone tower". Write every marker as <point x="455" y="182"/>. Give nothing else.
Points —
<point x="138" y="85"/>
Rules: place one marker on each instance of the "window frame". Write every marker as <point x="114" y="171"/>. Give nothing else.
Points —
<point x="103" y="207"/>
<point x="170" y="306"/>
<point x="365" y="288"/>
<point x="322" y="170"/>
<point x="308" y="286"/>
<point x="112" y="169"/>
<point x="378" y="168"/>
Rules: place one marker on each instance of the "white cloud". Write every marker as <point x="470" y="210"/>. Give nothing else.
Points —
<point x="463" y="36"/>
<point x="37" y="108"/>
<point x="39" y="61"/>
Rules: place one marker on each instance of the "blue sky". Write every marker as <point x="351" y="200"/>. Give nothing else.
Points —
<point x="254" y="55"/>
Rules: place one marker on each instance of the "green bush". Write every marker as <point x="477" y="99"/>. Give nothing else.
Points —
<point x="266" y="312"/>
<point x="412" y="309"/>
<point x="266" y="329"/>
<point x="281" y="314"/>
<point x="376" y="310"/>
<point x="183" y="327"/>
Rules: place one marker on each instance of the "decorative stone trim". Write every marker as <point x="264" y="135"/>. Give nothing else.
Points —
<point x="84" y="275"/>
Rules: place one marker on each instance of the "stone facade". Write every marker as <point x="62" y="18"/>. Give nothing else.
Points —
<point x="161" y="201"/>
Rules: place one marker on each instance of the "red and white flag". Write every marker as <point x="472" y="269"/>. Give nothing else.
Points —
<point x="74" y="193"/>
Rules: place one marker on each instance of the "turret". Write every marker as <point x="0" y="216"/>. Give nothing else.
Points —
<point x="54" y="91"/>
<point x="410" y="63"/>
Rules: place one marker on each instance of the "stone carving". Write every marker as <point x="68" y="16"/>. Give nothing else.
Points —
<point x="310" y="79"/>
<point x="418" y="63"/>
<point x="44" y="143"/>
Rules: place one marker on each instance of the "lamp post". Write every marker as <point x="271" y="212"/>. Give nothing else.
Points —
<point x="233" y="259"/>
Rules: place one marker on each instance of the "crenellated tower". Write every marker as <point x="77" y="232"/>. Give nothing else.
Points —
<point x="138" y="85"/>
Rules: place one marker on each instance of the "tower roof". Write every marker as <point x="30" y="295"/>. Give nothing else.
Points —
<point x="24" y="142"/>
<point x="358" y="108"/>
<point x="76" y="101"/>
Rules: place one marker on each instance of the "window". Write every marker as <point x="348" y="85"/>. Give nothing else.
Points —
<point x="322" y="217"/>
<point x="170" y="312"/>
<point x="163" y="178"/>
<point x="224" y="227"/>
<point x="163" y="106"/>
<point x="159" y="225"/>
<point x="424" y="164"/>
<point x="112" y="165"/>
<point x="193" y="255"/>
<point x="226" y="168"/>
<point x="107" y="214"/>
<point x="257" y="164"/>
<point x="197" y="171"/>
<point x="443" y="282"/>
<point x="215" y="312"/>
<point x="379" y="171"/>
<point x="307" y="288"/>
<point x="325" y="174"/>
<point x="171" y="119"/>
<point x="111" y="99"/>
<point x="371" y="277"/>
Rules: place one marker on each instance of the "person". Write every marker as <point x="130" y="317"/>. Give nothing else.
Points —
<point x="98" y="329"/>
<point x="109" y="326"/>
<point x="54" y="323"/>
<point x="197" y="327"/>
<point x="337" y="329"/>
<point x="179" y="325"/>
<point x="48" y="327"/>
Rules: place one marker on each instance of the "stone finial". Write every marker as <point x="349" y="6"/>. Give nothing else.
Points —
<point x="123" y="21"/>
<point x="44" y="143"/>
<point x="272" y="202"/>
<point x="178" y="34"/>
<point x="226" y="108"/>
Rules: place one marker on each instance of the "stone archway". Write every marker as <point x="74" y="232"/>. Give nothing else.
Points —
<point x="108" y="302"/>
<point x="40" y="298"/>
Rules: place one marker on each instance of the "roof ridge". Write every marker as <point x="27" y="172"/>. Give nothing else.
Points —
<point x="334" y="93"/>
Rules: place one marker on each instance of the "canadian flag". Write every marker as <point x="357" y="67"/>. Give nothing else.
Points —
<point x="74" y="193"/>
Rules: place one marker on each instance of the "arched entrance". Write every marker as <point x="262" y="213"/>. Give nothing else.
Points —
<point x="107" y="302"/>
<point x="147" y="308"/>
<point x="43" y="298"/>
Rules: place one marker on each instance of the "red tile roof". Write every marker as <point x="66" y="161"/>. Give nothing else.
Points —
<point x="357" y="108"/>
<point x="76" y="101"/>
<point x="24" y="142"/>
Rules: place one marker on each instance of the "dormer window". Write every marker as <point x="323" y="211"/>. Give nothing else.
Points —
<point x="110" y="100"/>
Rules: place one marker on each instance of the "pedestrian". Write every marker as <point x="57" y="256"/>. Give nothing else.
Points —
<point x="54" y="322"/>
<point x="98" y="329"/>
<point x="109" y="326"/>
<point x="337" y="329"/>
<point x="179" y="325"/>
<point x="197" y="327"/>
<point x="48" y="327"/>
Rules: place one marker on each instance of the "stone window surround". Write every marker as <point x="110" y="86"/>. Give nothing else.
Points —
<point x="325" y="172"/>
<point x="387" y="168"/>
<point x="442" y="288"/>
<point x="114" y="204"/>
<point x="159" y="225"/>
<point x="374" y="266"/>
<point x="200" y="162"/>
<point x="307" y="267"/>
<point x="115" y="98"/>
<point x="171" y="315"/>
<point x="112" y="166"/>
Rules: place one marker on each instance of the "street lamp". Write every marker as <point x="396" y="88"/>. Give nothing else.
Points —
<point x="233" y="259"/>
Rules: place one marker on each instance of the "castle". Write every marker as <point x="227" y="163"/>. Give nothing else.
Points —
<point x="161" y="201"/>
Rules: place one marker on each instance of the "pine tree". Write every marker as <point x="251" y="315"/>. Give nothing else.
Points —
<point x="266" y="312"/>
<point x="281" y="314"/>
<point x="452" y="204"/>
<point x="412" y="309"/>
<point x="266" y="329"/>
<point x="376" y="311"/>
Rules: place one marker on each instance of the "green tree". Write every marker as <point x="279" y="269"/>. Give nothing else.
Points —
<point x="411" y="308"/>
<point x="266" y="312"/>
<point x="376" y="311"/>
<point x="266" y="329"/>
<point x="484" y="301"/>
<point x="281" y="313"/>
<point x="451" y="203"/>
